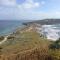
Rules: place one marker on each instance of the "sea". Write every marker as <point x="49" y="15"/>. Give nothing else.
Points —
<point x="8" y="26"/>
<point x="51" y="32"/>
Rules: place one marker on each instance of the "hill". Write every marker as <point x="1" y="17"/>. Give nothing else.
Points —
<point x="26" y="44"/>
<point x="44" y="21"/>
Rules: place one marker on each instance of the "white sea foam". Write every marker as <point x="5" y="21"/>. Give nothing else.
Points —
<point x="51" y="32"/>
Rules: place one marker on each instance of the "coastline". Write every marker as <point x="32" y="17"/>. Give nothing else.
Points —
<point x="25" y="43"/>
<point x="24" y="28"/>
<point x="27" y="28"/>
<point x="6" y="35"/>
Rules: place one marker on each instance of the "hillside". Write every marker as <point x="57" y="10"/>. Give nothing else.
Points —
<point x="44" y="21"/>
<point x="26" y="44"/>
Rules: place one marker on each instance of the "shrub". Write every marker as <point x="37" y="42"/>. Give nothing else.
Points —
<point x="1" y="38"/>
<point x="55" y="45"/>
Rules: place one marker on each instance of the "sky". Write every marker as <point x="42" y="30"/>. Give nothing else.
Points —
<point x="29" y="9"/>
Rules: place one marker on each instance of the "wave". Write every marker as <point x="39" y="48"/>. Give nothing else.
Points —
<point x="51" y="31"/>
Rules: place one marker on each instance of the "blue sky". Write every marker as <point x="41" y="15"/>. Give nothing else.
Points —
<point x="29" y="9"/>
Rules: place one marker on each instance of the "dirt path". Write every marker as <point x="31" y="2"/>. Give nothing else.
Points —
<point x="5" y="39"/>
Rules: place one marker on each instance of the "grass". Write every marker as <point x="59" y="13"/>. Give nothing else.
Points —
<point x="27" y="40"/>
<point x="28" y="46"/>
<point x="55" y="54"/>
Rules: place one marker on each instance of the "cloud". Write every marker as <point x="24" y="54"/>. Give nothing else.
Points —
<point x="57" y="12"/>
<point x="28" y="4"/>
<point x="7" y="2"/>
<point x="10" y="9"/>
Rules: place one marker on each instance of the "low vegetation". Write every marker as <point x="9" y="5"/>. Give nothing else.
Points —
<point x="1" y="38"/>
<point x="55" y="49"/>
<point x="29" y="45"/>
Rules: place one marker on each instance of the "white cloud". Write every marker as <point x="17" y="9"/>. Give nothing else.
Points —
<point x="37" y="4"/>
<point x="19" y="11"/>
<point x="57" y="12"/>
<point x="30" y="4"/>
<point x="7" y="2"/>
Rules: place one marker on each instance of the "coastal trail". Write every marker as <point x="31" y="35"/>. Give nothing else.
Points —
<point x="5" y="39"/>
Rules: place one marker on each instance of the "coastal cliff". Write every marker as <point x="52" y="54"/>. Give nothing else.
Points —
<point x="25" y="44"/>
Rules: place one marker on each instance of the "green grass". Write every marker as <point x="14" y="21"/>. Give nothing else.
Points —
<point x="55" y="49"/>
<point x="55" y="54"/>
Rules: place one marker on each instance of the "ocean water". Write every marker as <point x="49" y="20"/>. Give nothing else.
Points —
<point x="51" y="31"/>
<point x="8" y="26"/>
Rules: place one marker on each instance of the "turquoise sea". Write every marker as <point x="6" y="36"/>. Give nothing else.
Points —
<point x="7" y="26"/>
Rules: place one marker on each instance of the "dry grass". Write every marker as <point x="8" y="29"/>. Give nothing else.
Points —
<point x="27" y="45"/>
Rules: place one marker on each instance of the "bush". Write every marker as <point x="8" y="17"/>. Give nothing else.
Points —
<point x="1" y="38"/>
<point x="55" y="45"/>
